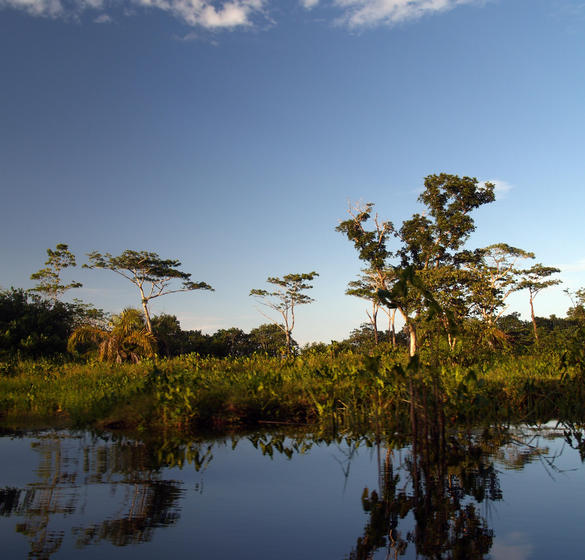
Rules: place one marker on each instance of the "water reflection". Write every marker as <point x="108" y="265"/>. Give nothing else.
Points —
<point x="433" y="495"/>
<point x="435" y="489"/>
<point x="67" y="466"/>
<point x="436" y="495"/>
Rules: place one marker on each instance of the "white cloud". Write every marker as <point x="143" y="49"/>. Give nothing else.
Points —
<point x="103" y="18"/>
<point x="94" y="4"/>
<point x="49" y="8"/>
<point x="370" y="13"/>
<point x="577" y="266"/>
<point x="501" y="188"/>
<point x="230" y="14"/>
<point x="209" y="14"/>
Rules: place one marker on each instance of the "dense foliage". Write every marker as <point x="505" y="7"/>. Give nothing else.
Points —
<point x="33" y="327"/>
<point x="340" y="388"/>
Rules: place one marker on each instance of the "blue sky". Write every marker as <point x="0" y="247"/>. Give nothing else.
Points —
<point x="232" y="135"/>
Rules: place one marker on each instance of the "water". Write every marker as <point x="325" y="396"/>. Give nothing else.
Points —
<point x="506" y="494"/>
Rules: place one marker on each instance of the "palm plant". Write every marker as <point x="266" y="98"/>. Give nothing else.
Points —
<point x="125" y="339"/>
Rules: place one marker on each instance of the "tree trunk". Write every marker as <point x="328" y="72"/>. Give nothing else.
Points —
<point x="391" y="329"/>
<point x="411" y="332"/>
<point x="413" y="342"/>
<point x="147" y="315"/>
<point x="533" y="317"/>
<point x="373" y="317"/>
<point x="145" y="308"/>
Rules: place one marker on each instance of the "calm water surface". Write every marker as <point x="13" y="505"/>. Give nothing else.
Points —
<point x="507" y="494"/>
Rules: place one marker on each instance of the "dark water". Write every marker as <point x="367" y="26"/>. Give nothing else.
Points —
<point x="504" y="494"/>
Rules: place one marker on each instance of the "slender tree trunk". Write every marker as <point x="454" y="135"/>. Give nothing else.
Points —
<point x="413" y="341"/>
<point x="145" y="308"/>
<point x="373" y="317"/>
<point x="391" y="330"/>
<point x="411" y="332"/>
<point x="533" y="317"/>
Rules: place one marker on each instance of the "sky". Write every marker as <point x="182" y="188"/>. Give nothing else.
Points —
<point x="233" y="135"/>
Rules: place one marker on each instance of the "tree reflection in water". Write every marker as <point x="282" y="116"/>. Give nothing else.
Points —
<point x="439" y="486"/>
<point x="433" y="493"/>
<point x="67" y="465"/>
<point x="151" y="505"/>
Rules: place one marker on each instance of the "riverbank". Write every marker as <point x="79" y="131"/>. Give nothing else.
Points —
<point x="191" y="392"/>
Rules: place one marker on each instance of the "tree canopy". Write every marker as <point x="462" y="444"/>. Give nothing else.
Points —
<point x="284" y="298"/>
<point x="49" y="279"/>
<point x="153" y="276"/>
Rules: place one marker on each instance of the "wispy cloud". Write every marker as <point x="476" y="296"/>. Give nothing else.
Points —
<point x="569" y="13"/>
<point x="372" y="13"/>
<point x="205" y="323"/>
<point x="577" y="266"/>
<point x="231" y="14"/>
<point x="501" y="188"/>
<point x="103" y="18"/>
<point x="48" y="8"/>
<point x="208" y="14"/>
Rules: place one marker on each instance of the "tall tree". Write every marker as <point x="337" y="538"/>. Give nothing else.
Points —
<point x="432" y="244"/>
<point x="370" y="236"/>
<point x="495" y="275"/>
<point x="535" y="280"/>
<point x="284" y="298"/>
<point x="49" y="278"/>
<point x="428" y="276"/>
<point x="433" y="238"/>
<point x="153" y="276"/>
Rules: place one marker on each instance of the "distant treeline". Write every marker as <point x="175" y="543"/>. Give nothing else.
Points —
<point x="32" y="327"/>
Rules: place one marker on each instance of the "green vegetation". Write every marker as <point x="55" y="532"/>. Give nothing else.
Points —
<point x="335" y="388"/>
<point x="458" y="357"/>
<point x="126" y="339"/>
